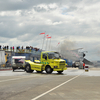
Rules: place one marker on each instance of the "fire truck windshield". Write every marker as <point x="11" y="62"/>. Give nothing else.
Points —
<point x="53" y="55"/>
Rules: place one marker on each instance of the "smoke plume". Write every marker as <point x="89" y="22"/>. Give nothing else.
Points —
<point x="67" y="49"/>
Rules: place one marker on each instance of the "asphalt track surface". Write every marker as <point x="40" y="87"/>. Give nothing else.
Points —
<point x="73" y="84"/>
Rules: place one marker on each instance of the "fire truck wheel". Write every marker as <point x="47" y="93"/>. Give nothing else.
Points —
<point x="48" y="70"/>
<point x="28" y="68"/>
<point x="59" y="72"/>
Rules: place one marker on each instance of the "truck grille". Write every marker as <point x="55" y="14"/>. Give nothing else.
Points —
<point x="61" y="65"/>
<point x="18" y="64"/>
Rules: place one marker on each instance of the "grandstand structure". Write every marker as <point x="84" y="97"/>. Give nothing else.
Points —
<point x="30" y="53"/>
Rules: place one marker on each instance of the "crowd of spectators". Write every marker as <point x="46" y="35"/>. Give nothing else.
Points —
<point x="4" y="47"/>
<point x="32" y="48"/>
<point x="18" y="48"/>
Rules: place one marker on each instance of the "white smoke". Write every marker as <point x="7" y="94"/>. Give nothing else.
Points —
<point x="66" y="48"/>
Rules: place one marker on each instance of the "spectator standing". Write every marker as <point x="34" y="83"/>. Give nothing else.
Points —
<point x="7" y="47"/>
<point x="0" y="47"/>
<point x="83" y="65"/>
<point x="22" y="47"/>
<point x="19" y="47"/>
<point x="13" y="48"/>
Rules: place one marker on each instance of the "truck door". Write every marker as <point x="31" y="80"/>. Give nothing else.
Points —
<point x="44" y="58"/>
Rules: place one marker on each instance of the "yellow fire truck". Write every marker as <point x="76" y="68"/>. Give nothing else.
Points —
<point x="50" y="61"/>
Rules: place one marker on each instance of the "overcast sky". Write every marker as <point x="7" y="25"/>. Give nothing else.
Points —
<point x="21" y="22"/>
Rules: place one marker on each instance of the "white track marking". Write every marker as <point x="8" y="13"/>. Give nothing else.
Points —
<point x="55" y="87"/>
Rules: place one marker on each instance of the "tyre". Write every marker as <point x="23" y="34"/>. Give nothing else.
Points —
<point x="59" y="72"/>
<point x="48" y="70"/>
<point x="13" y="69"/>
<point x="28" y="68"/>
